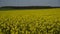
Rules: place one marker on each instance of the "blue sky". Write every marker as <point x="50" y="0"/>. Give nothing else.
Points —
<point x="29" y="3"/>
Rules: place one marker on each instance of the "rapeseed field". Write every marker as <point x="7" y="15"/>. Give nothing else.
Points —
<point x="31" y="21"/>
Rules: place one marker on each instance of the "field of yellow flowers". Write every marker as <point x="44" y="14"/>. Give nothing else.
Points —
<point x="31" y="21"/>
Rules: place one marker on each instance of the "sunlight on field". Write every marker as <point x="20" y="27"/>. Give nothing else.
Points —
<point x="32" y="11"/>
<point x="31" y="21"/>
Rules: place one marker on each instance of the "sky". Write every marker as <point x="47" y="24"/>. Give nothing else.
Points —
<point x="29" y="3"/>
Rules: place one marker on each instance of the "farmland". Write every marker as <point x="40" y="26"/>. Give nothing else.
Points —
<point x="31" y="21"/>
